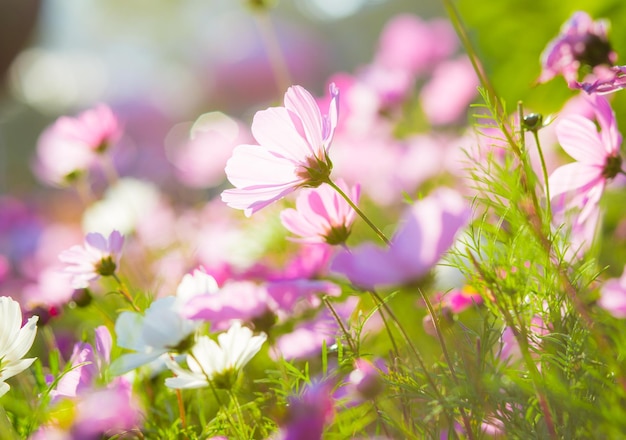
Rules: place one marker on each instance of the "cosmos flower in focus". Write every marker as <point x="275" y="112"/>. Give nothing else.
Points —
<point x="596" y="153"/>
<point x="15" y="341"/>
<point x="321" y="214"/>
<point x="293" y="152"/>
<point x="98" y="256"/>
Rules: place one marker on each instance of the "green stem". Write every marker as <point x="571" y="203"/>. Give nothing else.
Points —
<point x="544" y="170"/>
<point x="124" y="292"/>
<point x="341" y="325"/>
<point x="359" y="212"/>
<point x="446" y="355"/>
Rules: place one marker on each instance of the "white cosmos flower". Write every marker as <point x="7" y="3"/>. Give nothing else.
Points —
<point x="217" y="362"/>
<point x="15" y="340"/>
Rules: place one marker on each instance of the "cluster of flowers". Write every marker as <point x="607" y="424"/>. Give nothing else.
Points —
<point x="208" y="292"/>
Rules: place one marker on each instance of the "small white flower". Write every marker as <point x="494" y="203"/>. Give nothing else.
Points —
<point x="217" y="363"/>
<point x="15" y="341"/>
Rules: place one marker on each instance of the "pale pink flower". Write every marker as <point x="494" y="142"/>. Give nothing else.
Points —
<point x="71" y="145"/>
<point x="613" y="296"/>
<point x="293" y="152"/>
<point x="427" y="230"/>
<point x="597" y="156"/>
<point x="448" y="94"/>
<point x="321" y="214"/>
<point x="98" y="256"/>
<point x="582" y="42"/>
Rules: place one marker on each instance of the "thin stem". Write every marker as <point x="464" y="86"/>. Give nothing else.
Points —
<point x="544" y="170"/>
<point x="274" y="52"/>
<point x="124" y="292"/>
<point x="344" y="330"/>
<point x="109" y="169"/>
<point x="359" y="212"/>
<point x="446" y="355"/>
<point x="392" y="339"/>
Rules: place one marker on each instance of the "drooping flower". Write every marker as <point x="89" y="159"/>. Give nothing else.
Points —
<point x="15" y="341"/>
<point x="293" y="152"/>
<point x="597" y="157"/>
<point x="78" y="141"/>
<point x="581" y="43"/>
<point x="98" y="257"/>
<point x="217" y="363"/>
<point x="428" y="228"/>
<point x="321" y="214"/>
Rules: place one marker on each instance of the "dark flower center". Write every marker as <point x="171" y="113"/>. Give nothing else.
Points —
<point x="593" y="51"/>
<point x="612" y="167"/>
<point x="315" y="172"/>
<point x="337" y="235"/>
<point x="106" y="266"/>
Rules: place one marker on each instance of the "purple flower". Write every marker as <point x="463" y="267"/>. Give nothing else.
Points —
<point x="308" y="414"/>
<point x="97" y="257"/>
<point x="582" y="42"/>
<point x="293" y="152"/>
<point x="428" y="228"/>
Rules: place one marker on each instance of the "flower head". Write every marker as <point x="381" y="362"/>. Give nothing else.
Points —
<point x="98" y="256"/>
<point x="428" y="229"/>
<point x="293" y="152"/>
<point x="78" y="140"/>
<point x="581" y="43"/>
<point x="217" y="363"/>
<point x="597" y="156"/>
<point x="15" y="340"/>
<point x="321" y="215"/>
<point x="613" y="296"/>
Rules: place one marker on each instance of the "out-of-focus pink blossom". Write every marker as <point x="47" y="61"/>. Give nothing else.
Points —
<point x="608" y="80"/>
<point x="288" y="294"/>
<point x="461" y="299"/>
<point x="86" y="365"/>
<point x="613" y="296"/>
<point x="597" y="155"/>
<point x="308" y="338"/>
<point x="237" y="300"/>
<point x="98" y="256"/>
<point x="407" y="42"/>
<point x="78" y="141"/>
<point x="107" y="412"/>
<point x="308" y="414"/>
<point x="321" y="214"/>
<point x="201" y="156"/>
<point x="446" y="97"/>
<point x="293" y="152"/>
<point x="427" y="230"/>
<point x="582" y="42"/>
<point x="365" y="381"/>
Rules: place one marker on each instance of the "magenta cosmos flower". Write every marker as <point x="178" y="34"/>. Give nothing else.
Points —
<point x="78" y="141"/>
<point x="596" y="153"/>
<point x="321" y="214"/>
<point x="582" y="42"/>
<point x="293" y="152"/>
<point x="98" y="256"/>
<point x="427" y="230"/>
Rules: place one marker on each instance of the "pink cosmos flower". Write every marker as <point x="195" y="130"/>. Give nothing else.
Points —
<point x="78" y="140"/>
<point x="606" y="81"/>
<point x="309" y="413"/>
<point x="613" y="296"/>
<point x="582" y="42"/>
<point x="321" y="214"/>
<point x="293" y="152"/>
<point x="596" y="153"/>
<point x="428" y="229"/>
<point x="97" y="257"/>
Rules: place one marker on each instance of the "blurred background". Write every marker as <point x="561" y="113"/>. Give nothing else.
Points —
<point x="162" y="62"/>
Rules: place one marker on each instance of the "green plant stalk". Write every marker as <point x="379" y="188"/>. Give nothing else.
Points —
<point x="444" y="349"/>
<point x="359" y="212"/>
<point x="341" y="325"/>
